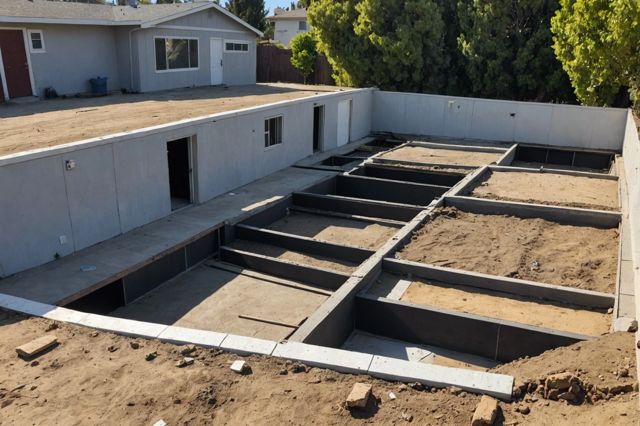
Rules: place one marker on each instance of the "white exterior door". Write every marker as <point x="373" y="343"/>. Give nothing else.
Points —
<point x="216" y="61"/>
<point x="344" y="122"/>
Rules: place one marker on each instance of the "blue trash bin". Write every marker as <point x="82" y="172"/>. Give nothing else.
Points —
<point x="98" y="86"/>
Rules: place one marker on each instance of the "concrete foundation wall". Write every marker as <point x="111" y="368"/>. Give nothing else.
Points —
<point x="509" y="121"/>
<point x="121" y="182"/>
<point x="631" y="155"/>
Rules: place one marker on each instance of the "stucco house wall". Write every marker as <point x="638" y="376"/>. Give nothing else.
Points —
<point x="285" y="30"/>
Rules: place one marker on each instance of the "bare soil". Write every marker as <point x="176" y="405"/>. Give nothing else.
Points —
<point x="531" y="249"/>
<point x="442" y="156"/>
<point x="295" y="256"/>
<point x="436" y="168"/>
<point x="336" y="230"/>
<point x="551" y="189"/>
<point x="58" y="121"/>
<point x="98" y="378"/>
<point x="508" y="307"/>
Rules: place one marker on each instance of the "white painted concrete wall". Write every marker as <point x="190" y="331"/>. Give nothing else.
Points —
<point x="631" y="156"/>
<point x="509" y="121"/>
<point x="121" y="182"/>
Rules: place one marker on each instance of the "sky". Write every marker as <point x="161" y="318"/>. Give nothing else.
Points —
<point x="272" y="4"/>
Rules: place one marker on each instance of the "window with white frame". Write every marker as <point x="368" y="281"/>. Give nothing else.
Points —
<point x="272" y="131"/>
<point x="302" y="25"/>
<point x="174" y="54"/>
<point x="36" y="41"/>
<point x="236" y="46"/>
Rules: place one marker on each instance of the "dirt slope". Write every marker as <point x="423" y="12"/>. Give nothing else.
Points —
<point x="98" y="378"/>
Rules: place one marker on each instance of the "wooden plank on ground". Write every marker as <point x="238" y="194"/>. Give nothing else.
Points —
<point x="37" y="346"/>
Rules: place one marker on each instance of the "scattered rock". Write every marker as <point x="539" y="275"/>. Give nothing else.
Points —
<point x="134" y="345"/>
<point x="359" y="395"/>
<point x="455" y="390"/>
<point x="402" y="388"/>
<point x="523" y="409"/>
<point x="625" y="324"/>
<point x="188" y="349"/>
<point x="559" y="381"/>
<point x="283" y="372"/>
<point x="392" y="396"/>
<point x="112" y="348"/>
<point x="151" y="356"/>
<point x="407" y="417"/>
<point x="416" y="386"/>
<point x="51" y="327"/>
<point x="486" y="412"/>
<point x="298" y="368"/>
<point x="131" y="404"/>
<point x="160" y="423"/>
<point x="240" y="367"/>
<point x="610" y="310"/>
<point x="567" y="396"/>
<point x="184" y="362"/>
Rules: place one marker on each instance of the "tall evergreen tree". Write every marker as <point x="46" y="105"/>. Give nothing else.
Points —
<point x="251" y="11"/>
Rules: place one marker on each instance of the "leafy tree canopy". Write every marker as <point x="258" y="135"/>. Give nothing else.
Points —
<point x="598" y="43"/>
<point x="251" y="11"/>
<point x="303" y="53"/>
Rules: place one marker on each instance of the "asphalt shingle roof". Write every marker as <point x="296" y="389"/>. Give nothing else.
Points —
<point x="290" y="14"/>
<point x="82" y="11"/>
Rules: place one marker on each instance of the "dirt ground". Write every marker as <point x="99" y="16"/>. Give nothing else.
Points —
<point x="530" y="249"/>
<point x="536" y="165"/>
<point x="442" y="156"/>
<point x="58" y="121"/>
<point x="511" y="308"/>
<point x="336" y="230"/>
<point x="99" y="378"/>
<point x="549" y="188"/>
<point x="294" y="256"/>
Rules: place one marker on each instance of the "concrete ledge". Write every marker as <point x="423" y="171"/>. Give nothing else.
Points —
<point x="320" y="277"/>
<point x="563" y="215"/>
<point x="380" y="221"/>
<point x="453" y="147"/>
<point x="323" y="357"/>
<point x="247" y="345"/>
<point x="497" y="385"/>
<point x="508" y="156"/>
<point x="340" y="204"/>
<point x="507" y="168"/>
<point x="457" y="277"/>
<point x="404" y="174"/>
<point x="181" y="335"/>
<point x="126" y="327"/>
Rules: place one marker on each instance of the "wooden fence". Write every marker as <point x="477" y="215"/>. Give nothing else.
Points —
<point x="274" y="65"/>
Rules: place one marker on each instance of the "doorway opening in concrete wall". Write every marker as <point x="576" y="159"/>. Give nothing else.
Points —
<point x="178" y="158"/>
<point x="318" y="124"/>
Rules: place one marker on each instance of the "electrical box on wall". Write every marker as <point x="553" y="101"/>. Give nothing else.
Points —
<point x="70" y="164"/>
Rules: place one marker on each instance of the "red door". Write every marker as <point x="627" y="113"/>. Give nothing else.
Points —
<point x="16" y="67"/>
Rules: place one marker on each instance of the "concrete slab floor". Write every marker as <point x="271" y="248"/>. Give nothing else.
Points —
<point x="496" y="305"/>
<point x="360" y="341"/>
<point x="212" y="299"/>
<point x="63" y="278"/>
<point x="336" y="230"/>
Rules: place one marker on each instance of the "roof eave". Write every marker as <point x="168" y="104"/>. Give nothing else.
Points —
<point x="154" y="22"/>
<point x="63" y="21"/>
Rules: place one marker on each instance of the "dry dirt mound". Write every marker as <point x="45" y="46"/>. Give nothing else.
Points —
<point x="99" y="378"/>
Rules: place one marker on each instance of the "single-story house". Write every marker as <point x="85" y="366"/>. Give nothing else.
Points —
<point x="288" y="23"/>
<point x="140" y="48"/>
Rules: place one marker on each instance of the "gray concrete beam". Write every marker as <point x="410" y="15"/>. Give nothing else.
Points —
<point x="388" y="190"/>
<point x="340" y="204"/>
<point x="488" y="337"/>
<point x="378" y="160"/>
<point x="506" y="168"/>
<point x="407" y="175"/>
<point x="320" y="277"/>
<point x="456" y="277"/>
<point x="303" y="244"/>
<point x="564" y="215"/>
